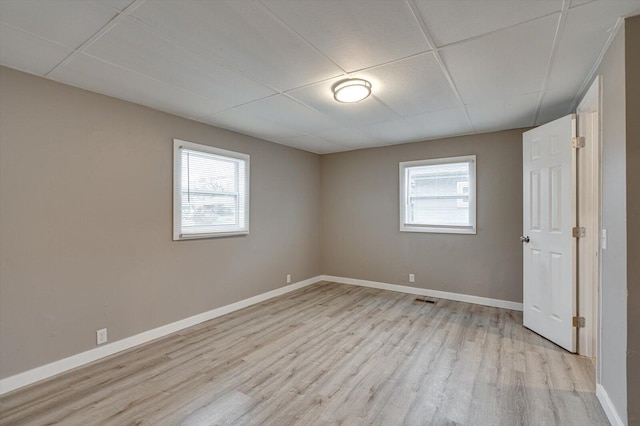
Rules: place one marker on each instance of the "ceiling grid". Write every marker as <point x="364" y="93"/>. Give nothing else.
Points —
<point x="562" y="18"/>
<point x="266" y="68"/>
<point x="434" y="48"/>
<point x="108" y="26"/>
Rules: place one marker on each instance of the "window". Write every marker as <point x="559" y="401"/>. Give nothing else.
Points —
<point x="438" y="195"/>
<point x="210" y="191"/>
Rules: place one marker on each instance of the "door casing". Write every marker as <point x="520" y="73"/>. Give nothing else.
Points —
<point x="589" y="217"/>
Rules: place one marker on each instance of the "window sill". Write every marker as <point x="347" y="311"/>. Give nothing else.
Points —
<point x="439" y="229"/>
<point x="183" y="237"/>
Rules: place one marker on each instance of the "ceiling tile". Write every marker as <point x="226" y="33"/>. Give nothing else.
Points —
<point x="266" y="67"/>
<point x="500" y="114"/>
<point x="69" y="22"/>
<point x="42" y="57"/>
<point x="347" y="137"/>
<point x="242" y="35"/>
<point x="282" y="111"/>
<point x="119" y="4"/>
<point x="135" y="46"/>
<point x="555" y="104"/>
<point x="575" y="3"/>
<point x="451" y="21"/>
<point x="584" y="36"/>
<point x="414" y="85"/>
<point x="355" y="34"/>
<point x="320" y="97"/>
<point x="313" y="144"/>
<point x="421" y="127"/>
<point x="91" y="74"/>
<point x="237" y="121"/>
<point x="504" y="64"/>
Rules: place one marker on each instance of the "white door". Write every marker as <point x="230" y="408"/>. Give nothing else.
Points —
<point x="549" y="212"/>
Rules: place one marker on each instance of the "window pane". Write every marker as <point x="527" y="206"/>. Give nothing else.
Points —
<point x="438" y="211"/>
<point x="213" y="191"/>
<point x="207" y="173"/>
<point x="440" y="179"/>
<point x="438" y="195"/>
<point x="207" y="210"/>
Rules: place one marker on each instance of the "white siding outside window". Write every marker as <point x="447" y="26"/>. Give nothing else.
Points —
<point x="438" y="195"/>
<point x="211" y="191"/>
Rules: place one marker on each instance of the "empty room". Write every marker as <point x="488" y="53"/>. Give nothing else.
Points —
<point x="319" y="212"/>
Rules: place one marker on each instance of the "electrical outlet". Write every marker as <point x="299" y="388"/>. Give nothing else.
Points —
<point x="101" y="336"/>
<point x="412" y="278"/>
<point x="288" y="278"/>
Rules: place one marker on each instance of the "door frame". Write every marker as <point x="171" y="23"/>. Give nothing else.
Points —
<point x="589" y="191"/>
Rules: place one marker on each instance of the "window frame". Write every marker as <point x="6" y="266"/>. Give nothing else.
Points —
<point x="178" y="145"/>
<point x="435" y="228"/>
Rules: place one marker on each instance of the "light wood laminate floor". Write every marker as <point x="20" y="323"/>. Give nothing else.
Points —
<point x="328" y="354"/>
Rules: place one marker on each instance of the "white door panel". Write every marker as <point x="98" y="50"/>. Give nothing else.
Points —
<point x="548" y="218"/>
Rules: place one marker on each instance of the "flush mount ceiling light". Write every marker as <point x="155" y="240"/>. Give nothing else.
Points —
<point x="351" y="90"/>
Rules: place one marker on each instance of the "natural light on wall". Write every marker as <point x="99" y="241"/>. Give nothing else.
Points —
<point x="211" y="192"/>
<point x="438" y="195"/>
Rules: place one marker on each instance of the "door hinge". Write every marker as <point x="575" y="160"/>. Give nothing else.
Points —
<point x="577" y="142"/>
<point x="579" y="322"/>
<point x="578" y="232"/>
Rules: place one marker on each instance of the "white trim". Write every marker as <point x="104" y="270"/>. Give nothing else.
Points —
<point x="437" y="228"/>
<point x="608" y="407"/>
<point x="497" y="303"/>
<point x="226" y="231"/>
<point x="589" y="216"/>
<point x="45" y="371"/>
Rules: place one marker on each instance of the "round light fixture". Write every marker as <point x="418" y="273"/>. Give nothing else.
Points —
<point x="351" y="90"/>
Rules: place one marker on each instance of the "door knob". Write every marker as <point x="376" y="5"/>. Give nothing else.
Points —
<point x="524" y="239"/>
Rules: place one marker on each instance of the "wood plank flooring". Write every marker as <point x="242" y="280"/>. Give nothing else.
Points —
<point x="328" y="354"/>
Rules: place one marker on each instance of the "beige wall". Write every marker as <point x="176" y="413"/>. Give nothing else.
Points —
<point x="86" y="217"/>
<point x="614" y="278"/>
<point x="361" y="237"/>
<point x="632" y="78"/>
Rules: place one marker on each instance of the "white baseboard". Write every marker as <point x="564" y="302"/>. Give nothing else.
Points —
<point x="43" y="372"/>
<point x="497" y="303"/>
<point x="607" y="405"/>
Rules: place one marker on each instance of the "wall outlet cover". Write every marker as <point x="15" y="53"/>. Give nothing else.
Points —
<point x="101" y="336"/>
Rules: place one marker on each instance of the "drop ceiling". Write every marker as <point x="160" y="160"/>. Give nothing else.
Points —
<point x="265" y="68"/>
